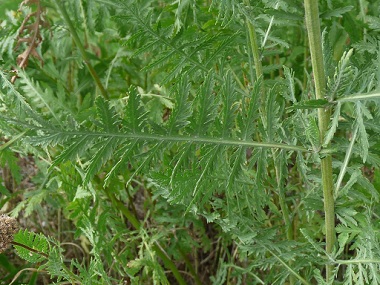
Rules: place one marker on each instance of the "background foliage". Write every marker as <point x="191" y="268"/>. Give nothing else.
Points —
<point x="177" y="142"/>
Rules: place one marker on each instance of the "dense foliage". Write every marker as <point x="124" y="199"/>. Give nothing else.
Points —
<point x="191" y="142"/>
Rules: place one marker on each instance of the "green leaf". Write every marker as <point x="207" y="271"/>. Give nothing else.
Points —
<point x="182" y="111"/>
<point x="230" y="106"/>
<point x="336" y="12"/>
<point x="272" y="112"/>
<point x="37" y="242"/>
<point x="289" y="77"/>
<point x="205" y="107"/>
<point x="310" y="104"/>
<point x="74" y="150"/>
<point x="344" y="78"/>
<point x="135" y="114"/>
<point x="312" y="133"/>
<point x="362" y="133"/>
<point x="106" y="115"/>
<point x="8" y="160"/>
<point x="105" y="151"/>
<point x="333" y="125"/>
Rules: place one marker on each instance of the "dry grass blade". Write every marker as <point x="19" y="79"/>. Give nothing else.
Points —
<point x="30" y="35"/>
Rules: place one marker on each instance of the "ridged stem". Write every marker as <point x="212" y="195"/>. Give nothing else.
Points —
<point x="315" y="43"/>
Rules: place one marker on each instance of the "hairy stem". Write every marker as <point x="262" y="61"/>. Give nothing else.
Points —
<point x="315" y="42"/>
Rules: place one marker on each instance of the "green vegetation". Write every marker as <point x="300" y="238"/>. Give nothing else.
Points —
<point x="190" y="142"/>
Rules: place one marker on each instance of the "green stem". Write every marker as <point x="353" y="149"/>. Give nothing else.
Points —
<point x="315" y="43"/>
<point x="357" y="261"/>
<point x="12" y="141"/>
<point x="78" y="43"/>
<point x="295" y="274"/>
<point x="359" y="97"/>
<point x="160" y="138"/>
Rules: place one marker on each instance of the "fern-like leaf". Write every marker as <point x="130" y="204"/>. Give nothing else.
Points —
<point x="333" y="125"/>
<point x="272" y="115"/>
<point x="105" y="151"/>
<point x="312" y="132"/>
<point x="125" y="154"/>
<point x="37" y="242"/>
<point x="230" y="106"/>
<point x="75" y="149"/>
<point x="21" y="107"/>
<point x="135" y="114"/>
<point x="205" y="108"/>
<point x="180" y="116"/>
<point x="226" y="10"/>
<point x="107" y="115"/>
<point x="344" y="77"/>
<point x="362" y="133"/>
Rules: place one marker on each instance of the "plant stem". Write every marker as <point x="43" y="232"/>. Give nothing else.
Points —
<point x="315" y="42"/>
<point x="78" y="43"/>
<point x="358" y="97"/>
<point x="295" y="274"/>
<point x="169" y="138"/>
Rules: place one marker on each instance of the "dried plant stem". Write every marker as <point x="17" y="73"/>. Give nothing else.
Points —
<point x="315" y="42"/>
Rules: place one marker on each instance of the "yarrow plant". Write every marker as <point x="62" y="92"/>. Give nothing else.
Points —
<point x="193" y="142"/>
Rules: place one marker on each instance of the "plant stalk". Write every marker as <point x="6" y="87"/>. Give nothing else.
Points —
<point x="315" y="43"/>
